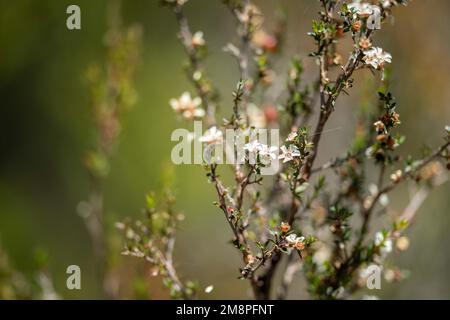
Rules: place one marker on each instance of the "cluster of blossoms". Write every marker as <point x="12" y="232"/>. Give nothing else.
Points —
<point x="308" y="205"/>
<point x="385" y="142"/>
<point x="291" y="152"/>
<point x="296" y="242"/>
<point x="266" y="152"/>
<point x="369" y="15"/>
<point x="363" y="9"/>
<point x="186" y="106"/>
<point x="297" y="146"/>
<point x="291" y="240"/>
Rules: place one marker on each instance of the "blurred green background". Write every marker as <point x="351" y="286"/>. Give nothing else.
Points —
<point x="46" y="126"/>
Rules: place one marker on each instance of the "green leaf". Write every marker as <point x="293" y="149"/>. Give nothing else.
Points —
<point x="150" y="201"/>
<point x="301" y="188"/>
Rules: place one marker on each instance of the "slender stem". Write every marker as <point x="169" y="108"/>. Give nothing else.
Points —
<point x="192" y="53"/>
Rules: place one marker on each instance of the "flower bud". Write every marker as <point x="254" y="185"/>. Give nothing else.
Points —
<point x="285" y="227"/>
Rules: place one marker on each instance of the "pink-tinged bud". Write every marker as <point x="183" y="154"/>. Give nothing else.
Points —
<point x="285" y="227"/>
<point x="271" y="113"/>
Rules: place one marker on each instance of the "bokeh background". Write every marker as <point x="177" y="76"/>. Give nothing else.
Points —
<point x="46" y="126"/>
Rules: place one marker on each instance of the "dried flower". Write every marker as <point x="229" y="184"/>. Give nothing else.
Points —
<point x="382" y="137"/>
<point x="365" y="43"/>
<point x="395" y="117"/>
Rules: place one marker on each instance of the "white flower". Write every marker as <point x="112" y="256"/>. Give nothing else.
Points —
<point x="387" y="248"/>
<point x="385" y="244"/>
<point x="293" y="239"/>
<point x="363" y="9"/>
<point x="376" y="57"/>
<point x="291" y="137"/>
<point x="188" y="107"/>
<point x="289" y="154"/>
<point x="197" y="39"/>
<point x="373" y="190"/>
<point x="268" y="151"/>
<point x="253" y="146"/>
<point x="386" y="4"/>
<point x="379" y="237"/>
<point x="212" y="136"/>
<point x="209" y="289"/>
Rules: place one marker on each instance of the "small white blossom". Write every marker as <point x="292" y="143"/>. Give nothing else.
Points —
<point x="268" y="151"/>
<point x="385" y="244"/>
<point x="373" y="190"/>
<point x="291" y="137"/>
<point x="387" y="4"/>
<point x="293" y="239"/>
<point x="289" y="154"/>
<point x="209" y="289"/>
<point x="387" y="248"/>
<point x="253" y="146"/>
<point x="188" y="107"/>
<point x="363" y="9"/>
<point x="379" y="237"/>
<point x="212" y="136"/>
<point x="376" y="57"/>
<point x="197" y="39"/>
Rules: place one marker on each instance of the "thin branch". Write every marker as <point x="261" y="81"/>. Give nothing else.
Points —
<point x="195" y="63"/>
